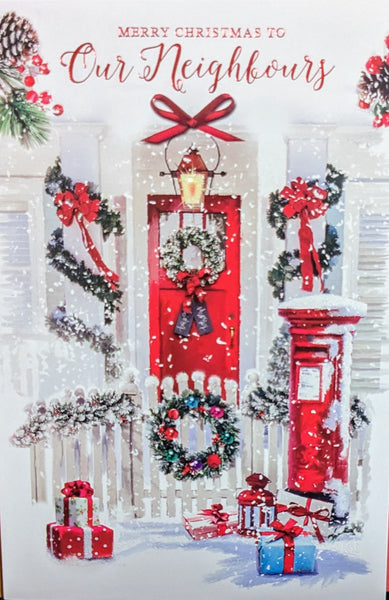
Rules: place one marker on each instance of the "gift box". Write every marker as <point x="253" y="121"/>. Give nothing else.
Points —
<point x="77" y="531"/>
<point x="314" y="515"/>
<point x="80" y="542"/>
<point x="77" y="511"/>
<point x="211" y="523"/>
<point x="286" y="549"/>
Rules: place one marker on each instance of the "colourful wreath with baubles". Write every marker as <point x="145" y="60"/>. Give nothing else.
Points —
<point x="373" y="88"/>
<point x="193" y="281"/>
<point x="178" y="460"/>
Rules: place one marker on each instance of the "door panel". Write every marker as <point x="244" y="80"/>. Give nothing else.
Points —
<point x="216" y="353"/>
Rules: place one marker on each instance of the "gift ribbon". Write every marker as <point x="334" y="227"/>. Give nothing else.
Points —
<point x="298" y="510"/>
<point x="199" y="121"/>
<point x="287" y="532"/>
<point x="77" y="489"/>
<point x="78" y="206"/>
<point x="307" y="203"/>
<point x="216" y="517"/>
<point x="192" y="283"/>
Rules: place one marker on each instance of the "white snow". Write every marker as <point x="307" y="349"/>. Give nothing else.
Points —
<point x="337" y="305"/>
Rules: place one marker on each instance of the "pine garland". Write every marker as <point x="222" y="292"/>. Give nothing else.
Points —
<point x="23" y="120"/>
<point x="288" y="265"/>
<point x="71" y="327"/>
<point x="344" y="530"/>
<point x="358" y="417"/>
<point x="67" y="418"/>
<point x="181" y="462"/>
<point x="64" y="262"/>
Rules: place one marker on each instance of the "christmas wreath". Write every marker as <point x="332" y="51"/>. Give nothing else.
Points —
<point x="68" y="418"/>
<point x="181" y="462"/>
<point x="373" y="88"/>
<point x="211" y="251"/>
<point x="306" y="200"/>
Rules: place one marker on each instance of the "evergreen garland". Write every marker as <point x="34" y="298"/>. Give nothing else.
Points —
<point x="358" y="417"/>
<point x="344" y="530"/>
<point x="181" y="462"/>
<point x="68" y="327"/>
<point x="109" y="220"/>
<point x="77" y="272"/>
<point x="288" y="266"/>
<point x="68" y="417"/>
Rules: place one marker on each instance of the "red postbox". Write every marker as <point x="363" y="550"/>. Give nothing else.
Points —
<point x="321" y="328"/>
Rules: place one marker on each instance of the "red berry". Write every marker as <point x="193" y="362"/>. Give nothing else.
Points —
<point x="363" y="104"/>
<point x="45" y="98"/>
<point x="57" y="110"/>
<point x="36" y="60"/>
<point x="171" y="433"/>
<point x="387" y="41"/>
<point x="377" y="122"/>
<point x="32" y="96"/>
<point x="44" y="69"/>
<point x="385" y="119"/>
<point x="374" y="64"/>
<point x="29" y="81"/>
<point x="20" y="68"/>
<point x="173" y="414"/>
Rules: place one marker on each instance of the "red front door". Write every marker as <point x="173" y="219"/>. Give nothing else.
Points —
<point x="215" y="353"/>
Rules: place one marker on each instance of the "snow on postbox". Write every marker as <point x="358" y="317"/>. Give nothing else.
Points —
<point x="321" y="328"/>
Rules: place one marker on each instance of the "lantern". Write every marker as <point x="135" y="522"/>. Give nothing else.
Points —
<point x="192" y="175"/>
<point x="256" y="506"/>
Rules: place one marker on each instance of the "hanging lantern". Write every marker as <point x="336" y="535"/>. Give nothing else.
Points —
<point x="256" y="506"/>
<point x="192" y="175"/>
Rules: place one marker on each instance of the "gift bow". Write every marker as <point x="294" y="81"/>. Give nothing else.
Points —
<point x="297" y="510"/>
<point x="287" y="532"/>
<point x="78" y="206"/>
<point x="80" y="489"/>
<point x="214" y="514"/>
<point x="192" y="283"/>
<point x="307" y="202"/>
<point x="199" y="121"/>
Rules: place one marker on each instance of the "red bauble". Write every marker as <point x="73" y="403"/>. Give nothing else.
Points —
<point x="385" y="119"/>
<point x="173" y="414"/>
<point x="377" y="122"/>
<point x="170" y="433"/>
<point x="57" y="110"/>
<point x="29" y="81"/>
<point x="213" y="461"/>
<point x="32" y="96"/>
<point x="363" y="104"/>
<point x="374" y="64"/>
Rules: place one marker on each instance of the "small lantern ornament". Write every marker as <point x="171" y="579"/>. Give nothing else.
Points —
<point x="256" y="506"/>
<point x="192" y="175"/>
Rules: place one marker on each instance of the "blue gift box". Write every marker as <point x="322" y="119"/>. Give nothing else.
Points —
<point x="271" y="554"/>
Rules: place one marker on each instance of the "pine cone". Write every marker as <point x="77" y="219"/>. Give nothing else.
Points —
<point x="18" y="39"/>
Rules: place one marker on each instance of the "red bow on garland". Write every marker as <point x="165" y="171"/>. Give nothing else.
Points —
<point x="199" y="121"/>
<point x="78" y="205"/>
<point x="192" y="283"/>
<point x="78" y="488"/>
<point x="304" y="511"/>
<point x="307" y="202"/>
<point x="214" y="514"/>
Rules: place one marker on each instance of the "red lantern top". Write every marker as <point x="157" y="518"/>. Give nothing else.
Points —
<point x="257" y="494"/>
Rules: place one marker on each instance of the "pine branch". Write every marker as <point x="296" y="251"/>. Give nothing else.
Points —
<point x="23" y="120"/>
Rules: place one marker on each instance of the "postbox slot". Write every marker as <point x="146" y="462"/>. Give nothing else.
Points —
<point x="311" y="353"/>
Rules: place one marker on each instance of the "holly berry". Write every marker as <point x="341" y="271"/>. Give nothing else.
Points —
<point x="29" y="81"/>
<point x="36" y="60"/>
<point x="374" y="64"/>
<point x="377" y="122"/>
<point x="363" y="104"/>
<point x="44" y="69"/>
<point x="45" y="98"/>
<point x="385" y="119"/>
<point x="173" y="414"/>
<point x="32" y="96"/>
<point x="57" y="110"/>
<point x="20" y="68"/>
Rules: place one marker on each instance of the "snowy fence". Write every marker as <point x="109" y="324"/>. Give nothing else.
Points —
<point x="118" y="462"/>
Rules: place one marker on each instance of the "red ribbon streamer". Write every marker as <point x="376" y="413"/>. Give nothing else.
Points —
<point x="287" y="532"/>
<point x="79" y="206"/>
<point x="192" y="283"/>
<point x="297" y="510"/>
<point x="199" y="121"/>
<point x="214" y="514"/>
<point x="307" y="202"/>
<point x="77" y="489"/>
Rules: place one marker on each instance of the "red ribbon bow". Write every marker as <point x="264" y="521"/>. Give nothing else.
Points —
<point x="192" y="283"/>
<point x="199" y="121"/>
<point x="78" y="205"/>
<point x="287" y="532"/>
<point x="214" y="514"/>
<point x="307" y="202"/>
<point x="297" y="510"/>
<point x="78" y="488"/>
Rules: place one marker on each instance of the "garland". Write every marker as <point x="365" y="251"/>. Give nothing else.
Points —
<point x="181" y="462"/>
<point x="267" y="405"/>
<point x="358" y="417"/>
<point x="288" y="265"/>
<point x="211" y="251"/>
<point x="68" y="327"/>
<point x="64" y="262"/>
<point x="373" y="88"/>
<point x="56" y="183"/>
<point x="68" y="418"/>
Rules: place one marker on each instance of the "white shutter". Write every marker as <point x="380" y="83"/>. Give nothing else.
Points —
<point x="15" y="273"/>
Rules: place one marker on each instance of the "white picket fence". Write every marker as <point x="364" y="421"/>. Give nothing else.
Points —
<point x="118" y="462"/>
